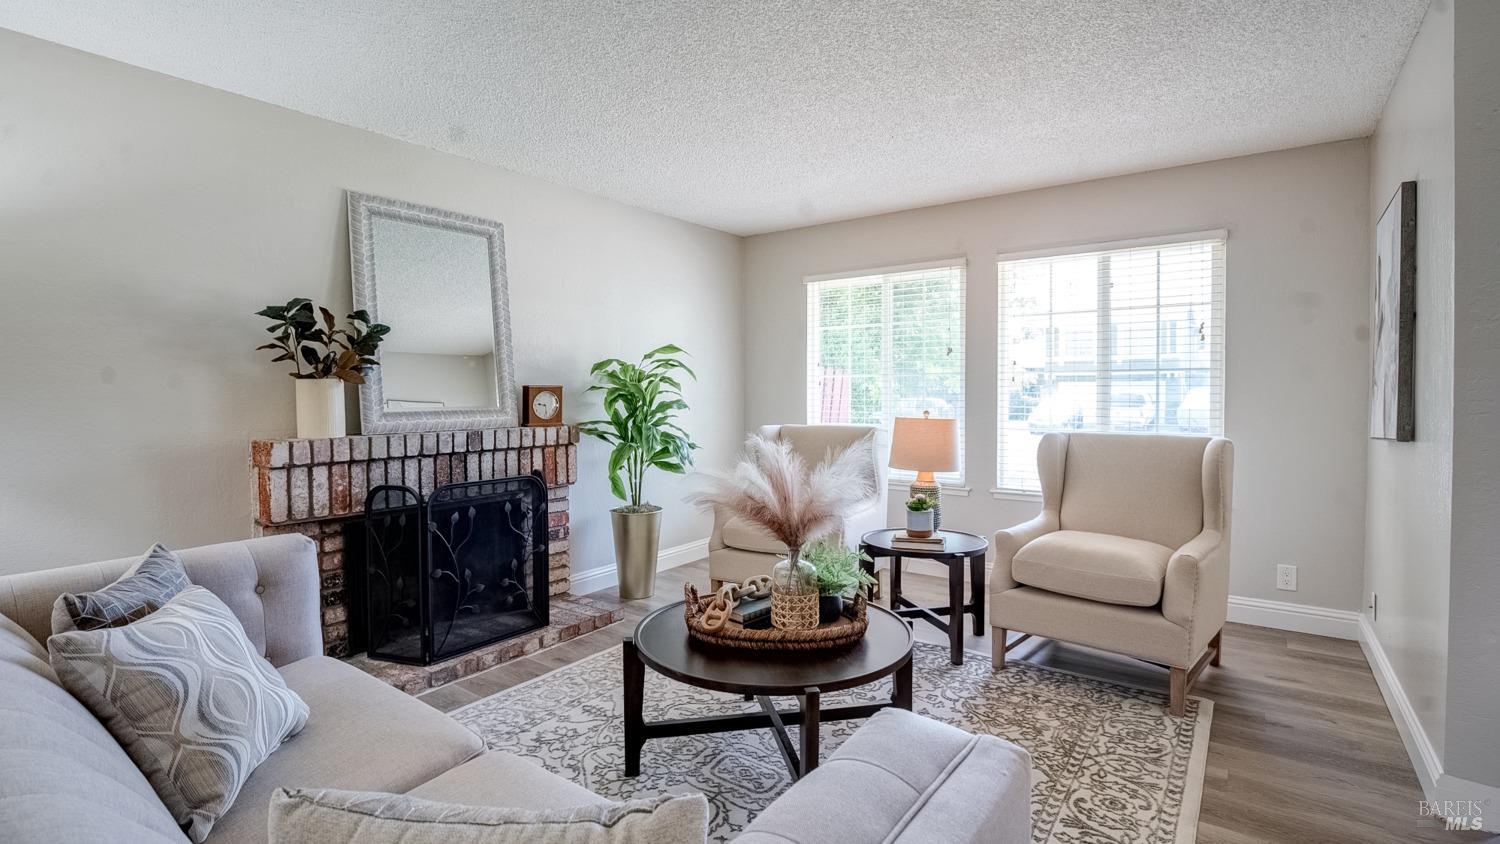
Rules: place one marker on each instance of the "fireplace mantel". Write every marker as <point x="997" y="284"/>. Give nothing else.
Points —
<point x="314" y="487"/>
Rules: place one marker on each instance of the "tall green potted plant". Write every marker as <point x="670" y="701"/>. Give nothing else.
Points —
<point x="641" y="403"/>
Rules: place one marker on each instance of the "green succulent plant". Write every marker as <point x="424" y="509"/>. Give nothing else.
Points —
<point x="919" y="504"/>
<point x="837" y="569"/>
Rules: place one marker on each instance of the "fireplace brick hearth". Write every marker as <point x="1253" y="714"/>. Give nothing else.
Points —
<point x="315" y="487"/>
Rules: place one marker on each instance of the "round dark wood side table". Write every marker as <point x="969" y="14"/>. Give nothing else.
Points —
<point x="961" y="548"/>
<point x="661" y="641"/>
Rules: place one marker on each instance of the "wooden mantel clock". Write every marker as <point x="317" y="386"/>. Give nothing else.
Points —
<point x="544" y="404"/>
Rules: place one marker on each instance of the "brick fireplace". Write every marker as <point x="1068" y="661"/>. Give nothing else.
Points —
<point x="316" y="487"/>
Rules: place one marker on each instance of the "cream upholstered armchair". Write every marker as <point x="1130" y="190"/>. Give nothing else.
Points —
<point x="738" y="549"/>
<point x="1130" y="553"/>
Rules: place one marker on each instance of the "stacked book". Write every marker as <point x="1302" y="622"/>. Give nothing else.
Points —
<point x="906" y="542"/>
<point x="753" y="613"/>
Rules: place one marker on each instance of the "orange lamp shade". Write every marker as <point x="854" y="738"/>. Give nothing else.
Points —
<point x="925" y="444"/>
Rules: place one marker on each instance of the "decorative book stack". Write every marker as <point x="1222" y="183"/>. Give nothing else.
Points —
<point x="907" y="542"/>
<point x="750" y="613"/>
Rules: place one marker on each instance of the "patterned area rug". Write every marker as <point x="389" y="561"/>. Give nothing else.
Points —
<point x="1110" y="763"/>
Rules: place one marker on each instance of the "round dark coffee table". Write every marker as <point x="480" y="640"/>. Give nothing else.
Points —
<point x="661" y="641"/>
<point x="960" y="548"/>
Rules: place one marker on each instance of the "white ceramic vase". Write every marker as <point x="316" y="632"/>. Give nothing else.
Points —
<point x="320" y="408"/>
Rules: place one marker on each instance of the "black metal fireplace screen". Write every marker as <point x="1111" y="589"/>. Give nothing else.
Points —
<point x="463" y="569"/>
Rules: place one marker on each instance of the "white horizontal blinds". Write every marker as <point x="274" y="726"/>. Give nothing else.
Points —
<point x="1126" y="339"/>
<point x="887" y="344"/>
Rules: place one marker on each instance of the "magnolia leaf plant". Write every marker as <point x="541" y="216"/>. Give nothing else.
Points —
<point x="327" y="350"/>
<point x="641" y="403"/>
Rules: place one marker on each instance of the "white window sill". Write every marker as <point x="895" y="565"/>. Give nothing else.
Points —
<point x="1016" y="495"/>
<point x="904" y="484"/>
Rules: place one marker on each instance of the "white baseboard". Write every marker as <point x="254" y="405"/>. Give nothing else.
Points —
<point x="1299" y="618"/>
<point x="681" y="555"/>
<point x="603" y="577"/>
<point x="1437" y="786"/>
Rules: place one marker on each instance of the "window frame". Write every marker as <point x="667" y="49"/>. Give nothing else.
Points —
<point x="1219" y="295"/>
<point x="953" y="482"/>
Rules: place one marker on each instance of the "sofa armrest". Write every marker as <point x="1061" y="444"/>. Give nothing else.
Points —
<point x="1010" y="540"/>
<point x="1195" y="594"/>
<point x="272" y="585"/>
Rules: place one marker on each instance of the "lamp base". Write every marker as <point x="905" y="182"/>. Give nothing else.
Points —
<point x="933" y="490"/>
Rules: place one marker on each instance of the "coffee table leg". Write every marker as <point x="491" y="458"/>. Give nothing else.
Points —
<point x="901" y="687"/>
<point x="956" y="611"/>
<point x="811" y="700"/>
<point x="977" y="592"/>
<point x="635" y="694"/>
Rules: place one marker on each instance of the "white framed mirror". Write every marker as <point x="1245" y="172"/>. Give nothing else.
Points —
<point x="437" y="278"/>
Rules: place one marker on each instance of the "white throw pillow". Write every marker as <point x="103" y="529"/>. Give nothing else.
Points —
<point x="312" y="816"/>
<point x="187" y="696"/>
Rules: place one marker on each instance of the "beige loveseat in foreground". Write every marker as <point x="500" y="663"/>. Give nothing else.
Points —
<point x="64" y="778"/>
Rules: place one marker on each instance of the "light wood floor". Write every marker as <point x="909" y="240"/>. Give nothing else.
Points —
<point x="1302" y="747"/>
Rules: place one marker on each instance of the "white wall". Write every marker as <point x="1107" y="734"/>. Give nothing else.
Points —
<point x="1296" y="334"/>
<point x="143" y="221"/>
<point x="1409" y="494"/>
<point x="1472" y="750"/>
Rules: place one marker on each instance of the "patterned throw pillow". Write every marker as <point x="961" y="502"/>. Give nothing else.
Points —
<point x="143" y="589"/>
<point x="187" y="696"/>
<point x="312" y="816"/>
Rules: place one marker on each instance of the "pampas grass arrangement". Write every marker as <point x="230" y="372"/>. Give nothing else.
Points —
<point x="773" y="486"/>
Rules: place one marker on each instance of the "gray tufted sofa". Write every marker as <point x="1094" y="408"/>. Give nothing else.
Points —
<point x="899" y="778"/>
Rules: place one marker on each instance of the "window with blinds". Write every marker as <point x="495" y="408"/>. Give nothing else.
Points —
<point x="1122" y="337"/>
<point x="887" y="344"/>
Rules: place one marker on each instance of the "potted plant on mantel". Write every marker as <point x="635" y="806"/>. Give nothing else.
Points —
<point x="333" y="356"/>
<point x="641" y="403"/>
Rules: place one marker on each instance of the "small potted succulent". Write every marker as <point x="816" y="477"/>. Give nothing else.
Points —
<point x="839" y="576"/>
<point x="919" y="516"/>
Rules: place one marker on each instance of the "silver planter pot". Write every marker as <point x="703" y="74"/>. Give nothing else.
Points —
<point x="637" y="538"/>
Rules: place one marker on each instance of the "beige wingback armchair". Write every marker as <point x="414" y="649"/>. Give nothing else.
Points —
<point x="1130" y="553"/>
<point x="738" y="549"/>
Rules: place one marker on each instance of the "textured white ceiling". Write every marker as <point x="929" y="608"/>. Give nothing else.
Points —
<point x="758" y="115"/>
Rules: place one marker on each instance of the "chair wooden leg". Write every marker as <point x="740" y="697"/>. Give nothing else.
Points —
<point x="1179" y="684"/>
<point x="1217" y="643"/>
<point x="997" y="647"/>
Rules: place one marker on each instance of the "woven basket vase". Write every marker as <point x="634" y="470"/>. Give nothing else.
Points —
<point x="793" y="611"/>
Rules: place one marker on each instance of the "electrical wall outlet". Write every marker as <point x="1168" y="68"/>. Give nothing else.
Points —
<point x="1286" y="578"/>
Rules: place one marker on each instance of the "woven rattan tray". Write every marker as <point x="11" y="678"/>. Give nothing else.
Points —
<point x="843" y="633"/>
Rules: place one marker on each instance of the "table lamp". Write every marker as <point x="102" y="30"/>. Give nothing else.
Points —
<point x="926" y="446"/>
